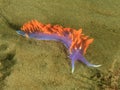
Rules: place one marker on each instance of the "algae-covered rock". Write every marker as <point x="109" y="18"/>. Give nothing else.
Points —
<point x="29" y="64"/>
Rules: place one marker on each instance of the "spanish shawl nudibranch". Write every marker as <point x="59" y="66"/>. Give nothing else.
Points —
<point x="76" y="42"/>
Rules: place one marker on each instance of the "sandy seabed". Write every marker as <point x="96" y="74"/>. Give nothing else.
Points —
<point x="28" y="64"/>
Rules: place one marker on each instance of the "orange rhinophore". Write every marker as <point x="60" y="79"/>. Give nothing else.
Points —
<point x="74" y="40"/>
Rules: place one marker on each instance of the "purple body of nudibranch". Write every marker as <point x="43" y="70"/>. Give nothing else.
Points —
<point x="76" y="54"/>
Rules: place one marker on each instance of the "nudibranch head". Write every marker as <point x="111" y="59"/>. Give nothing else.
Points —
<point x="74" y="40"/>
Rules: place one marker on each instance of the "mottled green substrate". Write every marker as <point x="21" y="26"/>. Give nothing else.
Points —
<point x="28" y="64"/>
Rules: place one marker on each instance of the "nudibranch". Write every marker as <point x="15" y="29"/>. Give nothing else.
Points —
<point x="74" y="40"/>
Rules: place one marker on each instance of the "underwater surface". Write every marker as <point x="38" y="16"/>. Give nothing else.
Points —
<point x="29" y="64"/>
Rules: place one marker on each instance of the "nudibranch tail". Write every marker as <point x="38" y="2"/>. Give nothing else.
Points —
<point x="21" y="32"/>
<point x="74" y="40"/>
